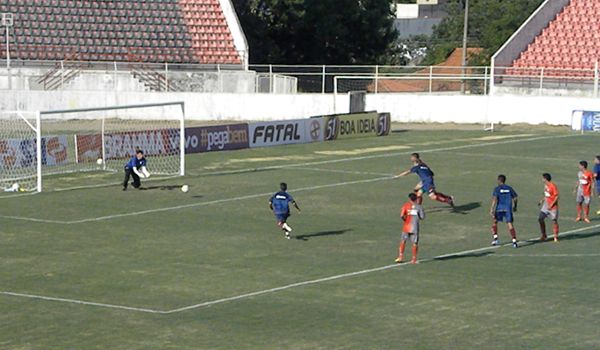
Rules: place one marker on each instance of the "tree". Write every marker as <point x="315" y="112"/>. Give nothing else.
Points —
<point x="319" y="31"/>
<point x="491" y="23"/>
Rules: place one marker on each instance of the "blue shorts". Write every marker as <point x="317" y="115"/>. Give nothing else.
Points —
<point x="282" y="217"/>
<point x="427" y="186"/>
<point x="504" y="216"/>
<point x="598" y="188"/>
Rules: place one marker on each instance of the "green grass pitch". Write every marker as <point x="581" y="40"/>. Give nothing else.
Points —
<point x="99" y="268"/>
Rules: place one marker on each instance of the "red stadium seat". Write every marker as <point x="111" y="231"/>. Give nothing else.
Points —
<point x="182" y="31"/>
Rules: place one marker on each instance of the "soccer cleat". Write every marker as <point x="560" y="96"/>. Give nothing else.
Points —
<point x="577" y="219"/>
<point x="287" y="235"/>
<point x="124" y="188"/>
<point x="414" y="261"/>
<point x="495" y="242"/>
<point x="398" y="260"/>
<point x="515" y="244"/>
<point x="587" y="220"/>
<point x="543" y="238"/>
<point x="555" y="239"/>
<point x="451" y="201"/>
<point x="598" y="212"/>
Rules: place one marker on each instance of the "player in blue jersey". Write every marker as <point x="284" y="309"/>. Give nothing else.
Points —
<point x="426" y="185"/>
<point x="504" y="204"/>
<point x="597" y="177"/>
<point x="133" y="168"/>
<point x="280" y="205"/>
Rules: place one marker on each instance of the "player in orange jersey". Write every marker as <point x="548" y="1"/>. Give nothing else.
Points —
<point x="583" y="191"/>
<point x="549" y="207"/>
<point x="412" y="213"/>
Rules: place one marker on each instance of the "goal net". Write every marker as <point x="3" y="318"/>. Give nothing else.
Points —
<point x="18" y="151"/>
<point x="98" y="142"/>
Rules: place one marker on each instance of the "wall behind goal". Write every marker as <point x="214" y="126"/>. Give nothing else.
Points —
<point x="416" y="108"/>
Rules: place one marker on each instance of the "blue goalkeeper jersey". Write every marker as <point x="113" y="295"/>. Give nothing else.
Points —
<point x="136" y="163"/>
<point x="504" y="198"/>
<point x="281" y="202"/>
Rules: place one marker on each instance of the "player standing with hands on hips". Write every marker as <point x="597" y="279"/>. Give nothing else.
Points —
<point x="280" y="205"/>
<point x="583" y="191"/>
<point x="549" y="207"/>
<point x="411" y="213"/>
<point x="136" y="168"/>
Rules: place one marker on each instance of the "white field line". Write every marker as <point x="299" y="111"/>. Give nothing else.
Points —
<point x="503" y="156"/>
<point x="192" y="205"/>
<point x="383" y="155"/>
<point x="343" y="171"/>
<point x="82" y="302"/>
<point x="150" y="211"/>
<point x="285" y="287"/>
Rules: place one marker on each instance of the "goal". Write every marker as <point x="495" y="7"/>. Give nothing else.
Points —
<point x="47" y="145"/>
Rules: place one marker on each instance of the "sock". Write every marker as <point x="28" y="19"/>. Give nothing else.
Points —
<point x="513" y="233"/>
<point x="414" y="252"/>
<point x="578" y="210"/>
<point x="555" y="229"/>
<point x="587" y="211"/>
<point x="495" y="230"/>
<point x="543" y="228"/>
<point x="401" y="249"/>
<point x="440" y="197"/>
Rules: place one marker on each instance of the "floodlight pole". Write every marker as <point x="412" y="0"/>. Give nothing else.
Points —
<point x="7" y="22"/>
<point x="464" y="45"/>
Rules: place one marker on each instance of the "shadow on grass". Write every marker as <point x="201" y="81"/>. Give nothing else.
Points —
<point x="459" y="209"/>
<point x="322" y="233"/>
<point x="161" y="188"/>
<point x="466" y="208"/>
<point x="461" y="256"/>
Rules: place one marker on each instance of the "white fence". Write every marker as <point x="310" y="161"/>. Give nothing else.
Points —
<point x="137" y="77"/>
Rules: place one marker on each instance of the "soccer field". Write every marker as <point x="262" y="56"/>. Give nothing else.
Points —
<point x="99" y="268"/>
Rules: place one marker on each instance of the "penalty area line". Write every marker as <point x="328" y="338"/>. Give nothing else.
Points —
<point x="276" y="289"/>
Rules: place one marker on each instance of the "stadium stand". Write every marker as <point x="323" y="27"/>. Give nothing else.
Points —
<point x="568" y="46"/>
<point x="151" y="31"/>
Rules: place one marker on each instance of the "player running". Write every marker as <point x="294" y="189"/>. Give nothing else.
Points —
<point x="597" y="177"/>
<point x="549" y="207"/>
<point x="504" y="204"/>
<point x="132" y="169"/>
<point x="280" y="205"/>
<point x="583" y="191"/>
<point x="426" y="185"/>
<point x="411" y="213"/>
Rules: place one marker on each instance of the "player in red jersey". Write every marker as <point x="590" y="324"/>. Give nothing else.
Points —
<point x="549" y="207"/>
<point x="583" y="191"/>
<point x="412" y="213"/>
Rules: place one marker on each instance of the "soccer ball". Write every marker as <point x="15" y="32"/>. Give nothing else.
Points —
<point x="185" y="188"/>
<point x="99" y="161"/>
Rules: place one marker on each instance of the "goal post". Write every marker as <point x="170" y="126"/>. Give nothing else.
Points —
<point x="99" y="141"/>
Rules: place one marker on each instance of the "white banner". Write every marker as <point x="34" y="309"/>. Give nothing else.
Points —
<point x="285" y="132"/>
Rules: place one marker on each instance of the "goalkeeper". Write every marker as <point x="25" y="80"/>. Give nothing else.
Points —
<point x="136" y="168"/>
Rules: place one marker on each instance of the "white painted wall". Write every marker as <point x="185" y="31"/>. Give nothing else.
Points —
<point x="480" y="109"/>
<point x="403" y="107"/>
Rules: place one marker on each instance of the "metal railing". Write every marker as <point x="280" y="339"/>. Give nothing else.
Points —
<point x="311" y="78"/>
